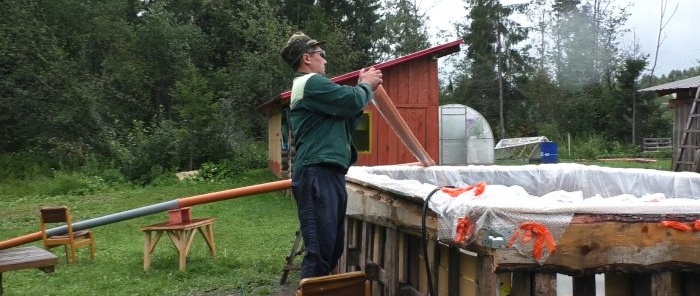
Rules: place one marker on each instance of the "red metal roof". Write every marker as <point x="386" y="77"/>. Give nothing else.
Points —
<point x="436" y="52"/>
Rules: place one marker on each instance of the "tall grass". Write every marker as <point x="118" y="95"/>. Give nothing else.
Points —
<point x="253" y="235"/>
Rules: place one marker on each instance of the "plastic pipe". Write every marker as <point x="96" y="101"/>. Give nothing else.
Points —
<point x="152" y="209"/>
<point x="393" y="118"/>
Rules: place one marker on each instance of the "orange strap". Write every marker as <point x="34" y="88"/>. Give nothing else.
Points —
<point x="454" y="192"/>
<point x="465" y="229"/>
<point x="677" y="225"/>
<point x="543" y="238"/>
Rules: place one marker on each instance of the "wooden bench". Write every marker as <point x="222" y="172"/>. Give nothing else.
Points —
<point x="24" y="258"/>
<point x="656" y="144"/>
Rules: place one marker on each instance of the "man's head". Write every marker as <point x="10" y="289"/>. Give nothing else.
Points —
<point x="304" y="54"/>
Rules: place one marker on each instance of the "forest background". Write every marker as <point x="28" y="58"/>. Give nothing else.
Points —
<point x="131" y="90"/>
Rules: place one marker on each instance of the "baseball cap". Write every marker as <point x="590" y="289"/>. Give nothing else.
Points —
<point x="297" y="45"/>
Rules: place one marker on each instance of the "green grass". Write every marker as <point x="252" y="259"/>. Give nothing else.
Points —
<point x="253" y="235"/>
<point x="663" y="164"/>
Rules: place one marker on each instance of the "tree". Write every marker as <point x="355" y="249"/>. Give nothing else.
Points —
<point x="404" y="30"/>
<point x="659" y="38"/>
<point x="492" y="54"/>
<point x="627" y="78"/>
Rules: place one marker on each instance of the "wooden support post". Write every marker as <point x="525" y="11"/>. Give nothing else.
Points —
<point x="391" y="259"/>
<point x="487" y="281"/>
<point x="584" y="285"/>
<point x="363" y="244"/>
<point x="522" y="284"/>
<point x="690" y="284"/>
<point x="661" y="283"/>
<point x="435" y="266"/>
<point x="640" y="284"/>
<point x="453" y="270"/>
<point x="413" y="261"/>
<point x="545" y="284"/>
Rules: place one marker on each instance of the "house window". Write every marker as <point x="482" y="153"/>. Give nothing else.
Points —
<point x="363" y="134"/>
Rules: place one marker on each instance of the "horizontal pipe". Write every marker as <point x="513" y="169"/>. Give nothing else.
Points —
<point x="152" y="209"/>
<point x="233" y="193"/>
<point x="398" y="124"/>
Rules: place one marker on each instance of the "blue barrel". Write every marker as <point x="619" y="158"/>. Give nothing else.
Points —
<point x="548" y="152"/>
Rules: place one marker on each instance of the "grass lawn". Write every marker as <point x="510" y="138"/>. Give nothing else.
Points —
<point x="253" y="235"/>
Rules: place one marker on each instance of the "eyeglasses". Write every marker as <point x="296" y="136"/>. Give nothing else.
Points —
<point x="320" y="52"/>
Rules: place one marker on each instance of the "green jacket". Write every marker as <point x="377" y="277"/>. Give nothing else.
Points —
<point x="323" y="116"/>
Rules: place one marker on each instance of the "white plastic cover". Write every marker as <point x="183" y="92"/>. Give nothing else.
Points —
<point x="546" y="194"/>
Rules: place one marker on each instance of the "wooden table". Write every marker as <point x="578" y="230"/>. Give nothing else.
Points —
<point x="24" y="258"/>
<point x="181" y="235"/>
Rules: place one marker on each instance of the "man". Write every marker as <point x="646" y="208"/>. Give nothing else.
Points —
<point x="323" y="117"/>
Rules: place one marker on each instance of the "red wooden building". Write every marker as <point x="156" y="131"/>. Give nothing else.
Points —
<point x="412" y="83"/>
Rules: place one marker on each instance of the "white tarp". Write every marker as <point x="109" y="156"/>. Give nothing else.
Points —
<point x="549" y="194"/>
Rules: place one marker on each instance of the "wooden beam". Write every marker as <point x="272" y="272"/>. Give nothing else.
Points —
<point x="612" y="246"/>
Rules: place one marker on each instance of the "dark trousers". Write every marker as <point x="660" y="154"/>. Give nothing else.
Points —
<point x="321" y="203"/>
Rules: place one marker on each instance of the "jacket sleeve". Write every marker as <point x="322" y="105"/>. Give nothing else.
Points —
<point x="326" y="97"/>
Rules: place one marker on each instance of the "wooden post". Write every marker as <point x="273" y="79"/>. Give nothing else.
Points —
<point x="661" y="283"/>
<point x="487" y="281"/>
<point x="522" y="284"/>
<point x="391" y="259"/>
<point x="584" y="285"/>
<point x="453" y="272"/>
<point x="545" y="284"/>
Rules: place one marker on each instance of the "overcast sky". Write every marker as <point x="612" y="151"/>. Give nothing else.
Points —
<point x="680" y="49"/>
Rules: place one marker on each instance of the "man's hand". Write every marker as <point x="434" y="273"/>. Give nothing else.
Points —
<point x="372" y="76"/>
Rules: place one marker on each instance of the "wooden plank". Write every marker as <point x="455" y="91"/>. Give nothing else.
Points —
<point x="26" y="257"/>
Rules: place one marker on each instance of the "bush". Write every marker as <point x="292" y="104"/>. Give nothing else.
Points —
<point x="22" y="165"/>
<point x="249" y="156"/>
<point x="73" y="184"/>
<point x="588" y="147"/>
